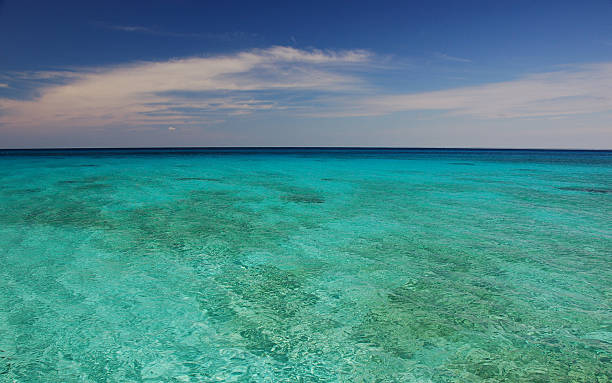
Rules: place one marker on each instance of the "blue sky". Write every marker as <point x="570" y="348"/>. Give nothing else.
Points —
<point x="194" y="73"/>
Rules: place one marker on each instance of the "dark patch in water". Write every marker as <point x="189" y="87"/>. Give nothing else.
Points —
<point x="462" y="163"/>
<point x="89" y="183"/>
<point x="198" y="179"/>
<point x="93" y="187"/>
<point x="408" y="171"/>
<point x="45" y="210"/>
<point x="23" y="191"/>
<point x="74" y="166"/>
<point x="5" y="363"/>
<point x="586" y="190"/>
<point x="303" y="198"/>
<point x="260" y="343"/>
<point x="328" y="179"/>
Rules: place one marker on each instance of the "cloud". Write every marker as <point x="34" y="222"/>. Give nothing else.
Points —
<point x="225" y="36"/>
<point x="2" y="85"/>
<point x="586" y="89"/>
<point x="197" y="91"/>
<point x="130" y="28"/>
<point x="445" y="57"/>
<point x="180" y="91"/>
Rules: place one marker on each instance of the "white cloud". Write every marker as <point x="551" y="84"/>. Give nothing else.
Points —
<point x="131" y="28"/>
<point x="445" y="57"/>
<point x="49" y="75"/>
<point x="173" y="91"/>
<point x="197" y="90"/>
<point x="587" y="89"/>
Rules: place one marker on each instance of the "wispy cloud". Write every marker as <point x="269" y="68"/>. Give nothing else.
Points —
<point x="314" y="83"/>
<point x="181" y="91"/>
<point x="43" y="76"/>
<point x="445" y="57"/>
<point x="225" y="36"/>
<point x="586" y="89"/>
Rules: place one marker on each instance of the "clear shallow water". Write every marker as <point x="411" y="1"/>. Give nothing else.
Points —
<point x="313" y="266"/>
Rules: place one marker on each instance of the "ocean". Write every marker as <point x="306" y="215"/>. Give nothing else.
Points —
<point x="305" y="265"/>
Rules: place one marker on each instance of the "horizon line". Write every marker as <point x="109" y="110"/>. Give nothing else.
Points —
<point x="78" y="148"/>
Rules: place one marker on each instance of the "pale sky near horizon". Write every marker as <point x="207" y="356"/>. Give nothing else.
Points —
<point x="521" y="74"/>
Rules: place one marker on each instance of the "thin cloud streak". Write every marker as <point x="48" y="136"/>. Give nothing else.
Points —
<point x="226" y="36"/>
<point x="445" y="57"/>
<point x="587" y="89"/>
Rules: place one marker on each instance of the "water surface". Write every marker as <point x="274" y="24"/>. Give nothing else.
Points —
<point x="305" y="265"/>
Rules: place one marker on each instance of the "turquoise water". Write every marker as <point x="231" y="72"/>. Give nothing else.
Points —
<point x="306" y="266"/>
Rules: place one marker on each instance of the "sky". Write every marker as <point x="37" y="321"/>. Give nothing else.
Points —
<point x="497" y="74"/>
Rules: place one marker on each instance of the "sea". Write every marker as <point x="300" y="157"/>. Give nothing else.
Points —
<point x="305" y="265"/>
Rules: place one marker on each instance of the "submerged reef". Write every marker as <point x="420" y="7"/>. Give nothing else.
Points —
<point x="406" y="271"/>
